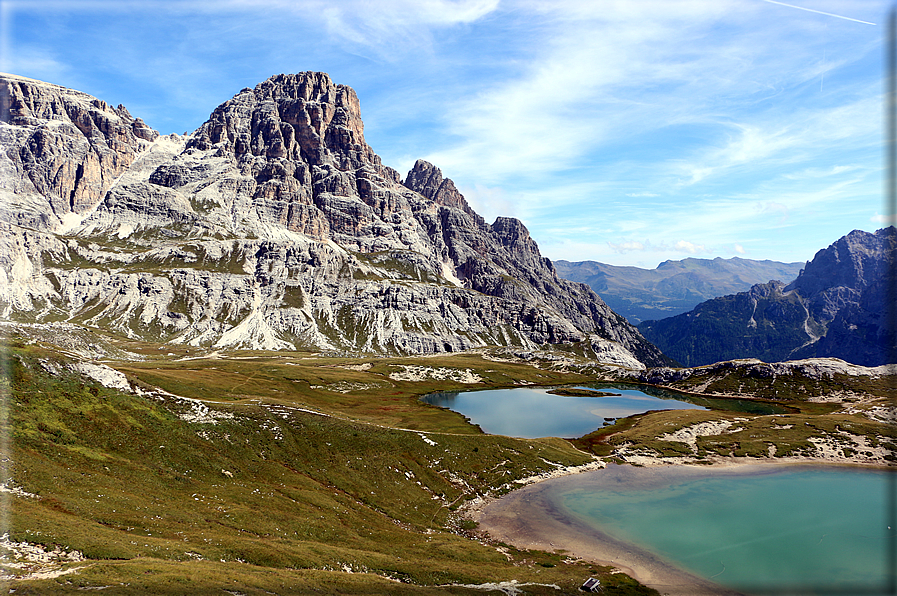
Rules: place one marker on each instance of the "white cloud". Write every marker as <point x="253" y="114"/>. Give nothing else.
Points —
<point x="628" y="246"/>
<point x="489" y="202"/>
<point x="39" y="64"/>
<point x="681" y="246"/>
<point x="816" y="173"/>
<point x="750" y="144"/>
<point x="386" y="27"/>
<point x="575" y="116"/>
<point x="884" y="220"/>
<point x="690" y="247"/>
<point x="777" y="209"/>
<point x="739" y="249"/>
<point x="609" y="70"/>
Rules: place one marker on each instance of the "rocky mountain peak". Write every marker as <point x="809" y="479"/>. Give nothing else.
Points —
<point x="835" y="308"/>
<point x="275" y="226"/>
<point x="64" y="150"/>
<point x="426" y="179"/>
<point x="313" y="87"/>
<point x="852" y="261"/>
<point x="301" y="117"/>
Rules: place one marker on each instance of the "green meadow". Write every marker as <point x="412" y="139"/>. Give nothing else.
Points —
<point x="294" y="475"/>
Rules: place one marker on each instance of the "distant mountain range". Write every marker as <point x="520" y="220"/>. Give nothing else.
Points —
<point x="674" y="287"/>
<point x="835" y="308"/>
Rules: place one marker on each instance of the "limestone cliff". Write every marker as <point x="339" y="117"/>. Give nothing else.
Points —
<point x="61" y="151"/>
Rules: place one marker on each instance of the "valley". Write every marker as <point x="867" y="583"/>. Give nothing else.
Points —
<point x="673" y="287"/>
<point x="156" y="482"/>
<point x="214" y="347"/>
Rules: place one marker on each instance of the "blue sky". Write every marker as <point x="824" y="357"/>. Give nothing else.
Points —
<point x="628" y="132"/>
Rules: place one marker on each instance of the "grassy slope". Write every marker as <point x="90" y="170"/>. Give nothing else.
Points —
<point x="270" y="497"/>
<point x="749" y="435"/>
<point x="788" y="432"/>
<point x="273" y="499"/>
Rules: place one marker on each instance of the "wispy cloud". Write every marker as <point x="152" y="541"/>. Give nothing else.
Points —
<point x="653" y="65"/>
<point x="681" y="247"/>
<point x="670" y="120"/>
<point x="387" y="27"/>
<point x="884" y="220"/>
<point x="41" y="64"/>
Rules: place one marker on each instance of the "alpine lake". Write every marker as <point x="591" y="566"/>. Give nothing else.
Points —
<point x="756" y="529"/>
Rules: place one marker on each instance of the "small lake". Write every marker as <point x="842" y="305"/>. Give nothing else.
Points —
<point x="776" y="530"/>
<point x="532" y="412"/>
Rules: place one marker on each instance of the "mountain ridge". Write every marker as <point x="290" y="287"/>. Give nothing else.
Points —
<point x="834" y="308"/>
<point x="273" y="226"/>
<point x="673" y="287"/>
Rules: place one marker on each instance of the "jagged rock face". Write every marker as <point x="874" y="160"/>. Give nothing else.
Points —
<point x="62" y="150"/>
<point x="841" y="273"/>
<point x="837" y="307"/>
<point x="426" y="179"/>
<point x="275" y="226"/>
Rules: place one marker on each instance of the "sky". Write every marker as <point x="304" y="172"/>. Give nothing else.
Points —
<point x="628" y="132"/>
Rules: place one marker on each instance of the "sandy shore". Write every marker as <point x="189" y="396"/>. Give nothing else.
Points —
<point x="528" y="518"/>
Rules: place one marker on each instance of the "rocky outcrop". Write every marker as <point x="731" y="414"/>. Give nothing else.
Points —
<point x="835" y="308"/>
<point x="426" y="179"/>
<point x="62" y="150"/>
<point x="275" y="226"/>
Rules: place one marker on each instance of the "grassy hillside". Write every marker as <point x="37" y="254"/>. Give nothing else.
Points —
<point x="289" y="473"/>
<point x="298" y="476"/>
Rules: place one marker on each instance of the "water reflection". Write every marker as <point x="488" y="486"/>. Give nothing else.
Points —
<point x="531" y="412"/>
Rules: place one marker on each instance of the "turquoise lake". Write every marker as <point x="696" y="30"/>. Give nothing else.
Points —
<point x="780" y="530"/>
<point x="532" y="412"/>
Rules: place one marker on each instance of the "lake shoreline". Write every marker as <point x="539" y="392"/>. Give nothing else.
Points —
<point x="526" y="518"/>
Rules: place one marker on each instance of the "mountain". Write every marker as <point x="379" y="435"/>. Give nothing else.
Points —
<point x="835" y="308"/>
<point x="674" y="287"/>
<point x="272" y="226"/>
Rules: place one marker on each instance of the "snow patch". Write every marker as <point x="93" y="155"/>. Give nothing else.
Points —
<point x="359" y="367"/>
<point x="511" y="588"/>
<point x="69" y="222"/>
<point x="254" y="333"/>
<point x="200" y="413"/>
<point x="689" y="434"/>
<point x="7" y="487"/>
<point x="611" y="352"/>
<point x="24" y="560"/>
<point x="125" y="230"/>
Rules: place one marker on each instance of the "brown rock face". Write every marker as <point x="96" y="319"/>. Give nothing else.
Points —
<point x="300" y="117"/>
<point x="65" y="146"/>
<point x="426" y="179"/>
<point x="301" y="139"/>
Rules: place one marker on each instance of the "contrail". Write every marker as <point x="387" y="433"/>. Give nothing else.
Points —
<point x="828" y="14"/>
